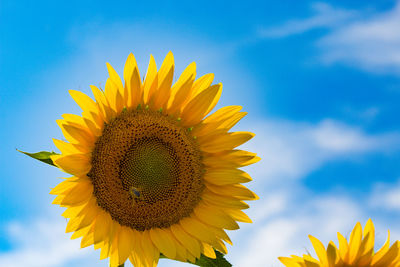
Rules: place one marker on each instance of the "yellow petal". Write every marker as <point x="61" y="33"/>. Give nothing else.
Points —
<point x="191" y="243"/>
<point x="133" y="83"/>
<point x="115" y="79"/>
<point x="222" y="114"/>
<point x="76" y="164"/>
<point x="214" y="217"/>
<point x="65" y="147"/>
<point x="369" y="230"/>
<point x="102" y="226"/>
<point x="382" y="251"/>
<point x="201" y="105"/>
<point x="191" y="258"/>
<point x="226" y="176"/>
<point x="231" y="121"/>
<point x="364" y="256"/>
<point x="151" y="82"/>
<point x="213" y="234"/>
<point x="343" y="245"/>
<point x="181" y="251"/>
<point x="230" y="159"/>
<point x="220" y="142"/>
<point x="223" y="119"/>
<point x="320" y="250"/>
<point x="75" y="120"/>
<point x="221" y="247"/>
<point x="105" y="250"/>
<point x="289" y="262"/>
<point x="83" y="136"/>
<point x="166" y="66"/>
<point x="94" y="129"/>
<point x="85" y="218"/>
<point x="67" y="136"/>
<point x="310" y="262"/>
<point x="219" y="234"/>
<point x="165" y="76"/>
<point x="113" y="96"/>
<point x="355" y="242"/>
<point x="81" y="232"/>
<point x="114" y="251"/>
<point x="87" y="105"/>
<point x="87" y="240"/>
<point x="80" y="193"/>
<point x="164" y="242"/>
<point x="331" y="252"/>
<point x="73" y="224"/>
<point x="181" y="90"/>
<point x="208" y="251"/>
<point x="223" y="201"/>
<point x="88" y="213"/>
<point x="103" y="104"/>
<point x="389" y="256"/>
<point x="235" y="190"/>
<point x="125" y="243"/>
<point x="202" y="83"/>
<point x="109" y="240"/>
<point x="66" y="185"/>
<point x="198" y="229"/>
<point x="72" y="212"/>
<point x="150" y="251"/>
<point x="238" y="215"/>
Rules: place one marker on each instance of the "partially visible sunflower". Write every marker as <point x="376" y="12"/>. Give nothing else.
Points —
<point x="150" y="173"/>
<point x="359" y="251"/>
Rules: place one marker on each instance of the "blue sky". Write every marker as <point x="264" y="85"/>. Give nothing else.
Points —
<point x="320" y="80"/>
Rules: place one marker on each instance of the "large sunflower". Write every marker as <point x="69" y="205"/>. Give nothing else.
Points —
<point x="150" y="173"/>
<point x="358" y="252"/>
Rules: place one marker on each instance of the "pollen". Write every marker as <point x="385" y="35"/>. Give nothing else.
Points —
<point x="146" y="170"/>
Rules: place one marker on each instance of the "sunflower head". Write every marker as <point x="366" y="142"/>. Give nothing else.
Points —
<point x="151" y="174"/>
<point x="358" y="252"/>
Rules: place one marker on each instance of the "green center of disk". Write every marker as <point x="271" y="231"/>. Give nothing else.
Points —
<point x="149" y="168"/>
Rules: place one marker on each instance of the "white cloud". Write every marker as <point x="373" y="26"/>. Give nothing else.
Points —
<point x="287" y="232"/>
<point x="372" y="43"/>
<point x="363" y="39"/>
<point x="386" y="196"/>
<point x="43" y="243"/>
<point x="325" y="16"/>
<point x="291" y="150"/>
<point x="336" y="138"/>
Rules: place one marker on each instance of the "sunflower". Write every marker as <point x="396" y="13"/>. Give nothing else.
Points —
<point x="359" y="251"/>
<point x="150" y="173"/>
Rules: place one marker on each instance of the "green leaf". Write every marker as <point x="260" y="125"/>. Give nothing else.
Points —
<point x="204" y="261"/>
<point x="43" y="156"/>
<point x="219" y="261"/>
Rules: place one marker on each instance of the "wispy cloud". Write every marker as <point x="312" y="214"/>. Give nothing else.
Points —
<point x="42" y="243"/>
<point x="291" y="150"/>
<point x="386" y="196"/>
<point x="287" y="231"/>
<point x="364" y="39"/>
<point x="372" y="44"/>
<point x="325" y="16"/>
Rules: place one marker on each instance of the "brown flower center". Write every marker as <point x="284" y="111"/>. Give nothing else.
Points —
<point x="146" y="170"/>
